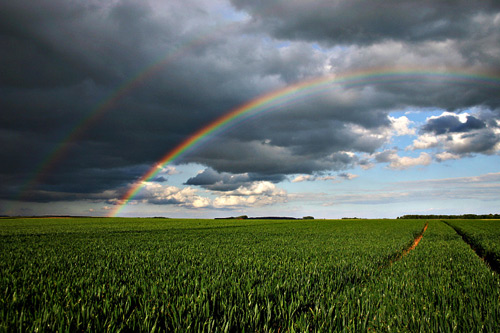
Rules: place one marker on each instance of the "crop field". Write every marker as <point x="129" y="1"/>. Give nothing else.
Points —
<point x="124" y="274"/>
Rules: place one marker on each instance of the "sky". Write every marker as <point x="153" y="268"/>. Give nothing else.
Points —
<point x="372" y="109"/>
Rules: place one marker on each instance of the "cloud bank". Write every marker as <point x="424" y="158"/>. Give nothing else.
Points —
<point x="62" y="61"/>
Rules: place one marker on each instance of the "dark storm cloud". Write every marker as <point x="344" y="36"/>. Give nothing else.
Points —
<point x="366" y="22"/>
<point x="213" y="180"/>
<point x="264" y="161"/>
<point x="308" y="137"/>
<point x="61" y="60"/>
<point x="225" y="181"/>
<point x="464" y="136"/>
<point x="73" y="183"/>
<point x="96" y="46"/>
<point x="452" y="124"/>
<point x="480" y="142"/>
<point x="56" y="43"/>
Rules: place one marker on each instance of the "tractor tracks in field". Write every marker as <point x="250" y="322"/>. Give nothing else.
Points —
<point x="416" y="240"/>
<point x="373" y="275"/>
<point x="399" y="255"/>
<point x="487" y="257"/>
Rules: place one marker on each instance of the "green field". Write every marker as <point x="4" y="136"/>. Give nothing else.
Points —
<point x="147" y="275"/>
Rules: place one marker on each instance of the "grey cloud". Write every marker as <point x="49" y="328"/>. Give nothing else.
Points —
<point x="215" y="181"/>
<point x="451" y="123"/>
<point x="480" y="142"/>
<point x="347" y="22"/>
<point x="446" y="92"/>
<point x="316" y="139"/>
<point x="263" y="160"/>
<point x="477" y="134"/>
<point x="78" y="183"/>
<point x="385" y="156"/>
<point x="160" y="179"/>
<point x="55" y="44"/>
<point x="347" y="176"/>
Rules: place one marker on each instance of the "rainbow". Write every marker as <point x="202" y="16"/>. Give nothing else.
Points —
<point x="289" y="94"/>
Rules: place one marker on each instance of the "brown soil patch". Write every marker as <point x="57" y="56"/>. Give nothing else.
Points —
<point x="413" y="245"/>
<point x="416" y="241"/>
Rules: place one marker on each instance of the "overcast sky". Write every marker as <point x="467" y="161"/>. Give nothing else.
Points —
<point x="94" y="93"/>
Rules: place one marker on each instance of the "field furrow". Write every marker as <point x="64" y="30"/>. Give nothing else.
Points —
<point x="400" y="254"/>
<point x="483" y="237"/>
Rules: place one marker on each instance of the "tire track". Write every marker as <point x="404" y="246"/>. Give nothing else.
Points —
<point x="416" y="240"/>
<point x="488" y="258"/>
<point x="398" y="256"/>
<point x="368" y="277"/>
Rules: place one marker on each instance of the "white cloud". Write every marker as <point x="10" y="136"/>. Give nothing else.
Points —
<point x="310" y="178"/>
<point x="406" y="162"/>
<point x="303" y="178"/>
<point x="489" y="179"/>
<point x="444" y="156"/>
<point x="257" y="188"/>
<point x="367" y="198"/>
<point x="461" y="116"/>
<point x="376" y="135"/>
<point x="168" y="170"/>
<point x="231" y="200"/>
<point x="401" y="125"/>
<point x="400" y="163"/>
<point x="484" y="188"/>
<point x="425" y="141"/>
<point x="159" y="194"/>
<point x="367" y="165"/>
<point x="324" y="178"/>
<point x="259" y="193"/>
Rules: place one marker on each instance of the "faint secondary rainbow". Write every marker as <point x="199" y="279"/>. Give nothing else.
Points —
<point x="287" y="95"/>
<point x="60" y="150"/>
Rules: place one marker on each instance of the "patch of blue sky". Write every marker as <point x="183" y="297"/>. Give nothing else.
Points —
<point x="402" y="142"/>
<point x="417" y="115"/>
<point x="229" y="13"/>
<point x="474" y="165"/>
<point x="381" y="176"/>
<point x="179" y="174"/>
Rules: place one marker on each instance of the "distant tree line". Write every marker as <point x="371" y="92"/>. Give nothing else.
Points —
<point x="448" y="217"/>
<point x="245" y="217"/>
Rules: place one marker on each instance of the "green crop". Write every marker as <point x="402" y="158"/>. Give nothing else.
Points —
<point x="240" y="275"/>
<point x="483" y="237"/>
<point x="440" y="286"/>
